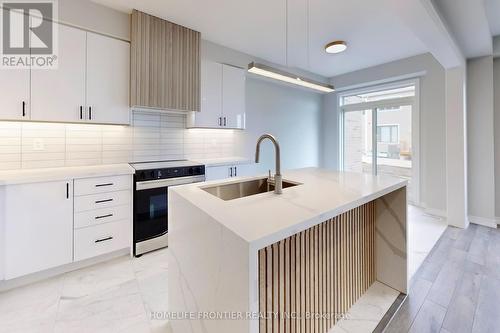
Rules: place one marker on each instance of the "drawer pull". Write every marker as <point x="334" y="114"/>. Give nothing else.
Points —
<point x="102" y="185"/>
<point x="103" y="201"/>
<point x="103" y="239"/>
<point x="103" y="216"/>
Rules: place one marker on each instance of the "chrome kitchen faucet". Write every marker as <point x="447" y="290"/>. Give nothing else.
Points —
<point x="278" y="180"/>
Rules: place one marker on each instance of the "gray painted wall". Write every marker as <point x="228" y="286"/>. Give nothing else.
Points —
<point x="496" y="77"/>
<point x="292" y="115"/>
<point x="432" y="121"/>
<point x="480" y="138"/>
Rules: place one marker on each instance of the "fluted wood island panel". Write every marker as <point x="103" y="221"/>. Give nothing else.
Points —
<point x="307" y="281"/>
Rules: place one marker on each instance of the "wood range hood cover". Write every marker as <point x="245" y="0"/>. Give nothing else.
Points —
<point x="165" y="64"/>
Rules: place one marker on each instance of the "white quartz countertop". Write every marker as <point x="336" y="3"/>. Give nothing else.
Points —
<point x="24" y="176"/>
<point x="212" y="162"/>
<point x="266" y="218"/>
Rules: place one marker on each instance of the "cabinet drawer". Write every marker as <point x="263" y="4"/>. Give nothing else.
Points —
<point x="103" y="215"/>
<point x="93" y="241"/>
<point x="103" y="200"/>
<point x="102" y="184"/>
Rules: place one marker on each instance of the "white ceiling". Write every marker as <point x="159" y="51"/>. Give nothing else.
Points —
<point x="258" y="27"/>
<point x="493" y="12"/>
<point x="469" y="23"/>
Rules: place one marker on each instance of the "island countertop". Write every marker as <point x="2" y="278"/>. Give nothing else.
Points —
<point x="266" y="218"/>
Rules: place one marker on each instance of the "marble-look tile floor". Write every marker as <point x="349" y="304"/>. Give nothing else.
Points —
<point x="367" y="312"/>
<point x="115" y="296"/>
<point x="424" y="231"/>
<point x="119" y="295"/>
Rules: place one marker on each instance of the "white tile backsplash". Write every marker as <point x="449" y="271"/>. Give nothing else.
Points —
<point x="152" y="136"/>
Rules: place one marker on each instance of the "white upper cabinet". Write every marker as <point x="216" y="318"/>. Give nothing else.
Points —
<point x="108" y="75"/>
<point x="211" y="95"/>
<point x="15" y="88"/>
<point x="39" y="223"/>
<point x="233" y="97"/>
<point x="91" y="83"/>
<point x="59" y="94"/>
<point x="222" y="97"/>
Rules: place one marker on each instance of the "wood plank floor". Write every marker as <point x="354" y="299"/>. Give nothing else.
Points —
<point x="457" y="288"/>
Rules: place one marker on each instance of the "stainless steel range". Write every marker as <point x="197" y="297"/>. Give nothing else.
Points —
<point x="151" y="183"/>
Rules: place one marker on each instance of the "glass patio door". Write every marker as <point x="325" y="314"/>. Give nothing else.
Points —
<point x="377" y="135"/>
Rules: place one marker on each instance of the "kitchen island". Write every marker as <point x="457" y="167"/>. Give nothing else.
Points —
<point x="244" y="259"/>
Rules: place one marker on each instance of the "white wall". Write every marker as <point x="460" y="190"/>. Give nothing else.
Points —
<point x="480" y="130"/>
<point x="456" y="147"/>
<point x="432" y="121"/>
<point x="496" y="78"/>
<point x="91" y="16"/>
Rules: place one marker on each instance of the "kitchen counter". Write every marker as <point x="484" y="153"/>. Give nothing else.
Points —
<point x="242" y="255"/>
<point x="25" y="176"/>
<point x="322" y="194"/>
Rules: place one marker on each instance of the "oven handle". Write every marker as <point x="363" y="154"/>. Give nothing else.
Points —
<point x="149" y="184"/>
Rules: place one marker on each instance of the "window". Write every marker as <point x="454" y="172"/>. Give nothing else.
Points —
<point x="388" y="134"/>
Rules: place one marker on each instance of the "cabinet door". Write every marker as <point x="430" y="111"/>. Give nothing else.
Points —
<point x="58" y="94"/>
<point x="245" y="170"/>
<point x="14" y="85"/>
<point x="217" y="172"/>
<point x="233" y="97"/>
<point x="108" y="77"/>
<point x="211" y="97"/>
<point x="38" y="227"/>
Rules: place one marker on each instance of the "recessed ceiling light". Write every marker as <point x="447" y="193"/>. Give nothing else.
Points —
<point x="336" y="47"/>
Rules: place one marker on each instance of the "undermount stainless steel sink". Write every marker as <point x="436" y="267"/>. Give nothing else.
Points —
<point x="244" y="189"/>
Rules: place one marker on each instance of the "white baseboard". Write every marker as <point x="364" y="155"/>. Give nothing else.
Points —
<point x="487" y="222"/>
<point x="435" y="212"/>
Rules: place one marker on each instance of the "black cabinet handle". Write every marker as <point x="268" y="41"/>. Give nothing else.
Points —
<point x="103" y="201"/>
<point x="230" y="171"/>
<point x="103" y="216"/>
<point x="90" y="113"/>
<point x="103" y="239"/>
<point x="81" y="112"/>
<point x="24" y="109"/>
<point x="107" y="184"/>
<point x="67" y="190"/>
<point x="220" y="121"/>
<point x="224" y="121"/>
<point x="235" y="171"/>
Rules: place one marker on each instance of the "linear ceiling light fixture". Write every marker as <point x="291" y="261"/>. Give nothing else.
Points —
<point x="276" y="74"/>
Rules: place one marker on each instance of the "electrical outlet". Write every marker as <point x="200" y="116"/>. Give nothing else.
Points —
<point x="38" y="144"/>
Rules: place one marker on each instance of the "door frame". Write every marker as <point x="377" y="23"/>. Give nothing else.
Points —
<point x="416" y="143"/>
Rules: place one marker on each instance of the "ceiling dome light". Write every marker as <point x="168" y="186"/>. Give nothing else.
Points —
<point x="336" y="47"/>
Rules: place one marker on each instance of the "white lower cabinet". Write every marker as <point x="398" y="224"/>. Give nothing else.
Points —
<point x="103" y="215"/>
<point x="229" y="171"/>
<point x="38" y="221"/>
<point x="101" y="239"/>
<point x="51" y="224"/>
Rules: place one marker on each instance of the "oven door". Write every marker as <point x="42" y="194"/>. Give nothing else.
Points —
<point x="151" y="206"/>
